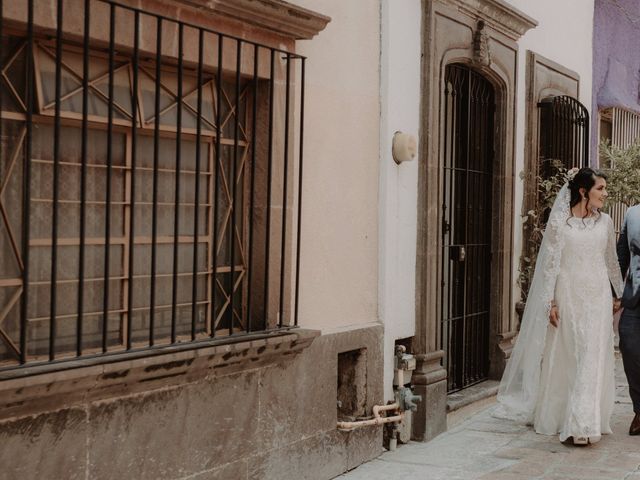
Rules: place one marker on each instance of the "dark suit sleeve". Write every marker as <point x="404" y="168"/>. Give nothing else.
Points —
<point x="622" y="248"/>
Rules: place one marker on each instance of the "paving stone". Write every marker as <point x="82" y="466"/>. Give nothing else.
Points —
<point x="483" y="447"/>
<point x="517" y="453"/>
<point x="504" y="476"/>
<point x="496" y="426"/>
<point x="531" y="468"/>
<point x="625" y="460"/>
<point x="576" y="471"/>
<point x="383" y="470"/>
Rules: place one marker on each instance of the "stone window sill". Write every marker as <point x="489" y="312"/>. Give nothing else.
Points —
<point x="44" y="390"/>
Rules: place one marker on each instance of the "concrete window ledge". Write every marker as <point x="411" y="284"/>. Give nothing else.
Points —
<point x="45" y="390"/>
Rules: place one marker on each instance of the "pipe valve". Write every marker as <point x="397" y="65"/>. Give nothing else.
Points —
<point x="407" y="400"/>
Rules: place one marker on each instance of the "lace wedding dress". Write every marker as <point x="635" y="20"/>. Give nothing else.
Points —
<point x="577" y="381"/>
<point x="561" y="379"/>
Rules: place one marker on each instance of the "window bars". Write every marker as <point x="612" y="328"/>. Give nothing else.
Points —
<point x="150" y="186"/>
<point x="563" y="134"/>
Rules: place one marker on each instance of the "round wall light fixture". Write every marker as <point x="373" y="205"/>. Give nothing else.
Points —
<point x="403" y="147"/>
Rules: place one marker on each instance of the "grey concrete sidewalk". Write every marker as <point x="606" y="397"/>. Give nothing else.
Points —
<point x="483" y="447"/>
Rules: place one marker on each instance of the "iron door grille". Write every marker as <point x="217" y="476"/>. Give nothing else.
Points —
<point x="469" y="105"/>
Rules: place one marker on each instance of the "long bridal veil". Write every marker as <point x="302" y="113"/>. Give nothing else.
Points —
<point x="519" y="386"/>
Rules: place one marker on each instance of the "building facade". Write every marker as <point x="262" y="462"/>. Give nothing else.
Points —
<point x="177" y="297"/>
<point x="487" y="69"/>
<point x="209" y="250"/>
<point x="615" y="78"/>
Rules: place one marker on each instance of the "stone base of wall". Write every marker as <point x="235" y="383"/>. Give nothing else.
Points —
<point x="264" y="420"/>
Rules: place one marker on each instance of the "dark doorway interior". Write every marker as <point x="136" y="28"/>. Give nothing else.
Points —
<point x="468" y="153"/>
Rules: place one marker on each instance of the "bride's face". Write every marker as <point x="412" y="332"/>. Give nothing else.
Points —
<point x="598" y="193"/>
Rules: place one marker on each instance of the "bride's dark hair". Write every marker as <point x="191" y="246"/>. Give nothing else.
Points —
<point x="584" y="178"/>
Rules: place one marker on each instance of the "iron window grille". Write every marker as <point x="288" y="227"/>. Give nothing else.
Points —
<point x="563" y="138"/>
<point x="564" y="134"/>
<point x="150" y="193"/>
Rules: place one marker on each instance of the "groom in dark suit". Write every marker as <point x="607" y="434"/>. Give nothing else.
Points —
<point x="629" y="328"/>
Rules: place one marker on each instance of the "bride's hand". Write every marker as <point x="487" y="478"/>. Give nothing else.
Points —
<point x="617" y="304"/>
<point x="553" y="316"/>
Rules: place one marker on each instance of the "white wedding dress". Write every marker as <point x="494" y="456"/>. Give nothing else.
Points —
<point x="561" y="380"/>
<point x="577" y="385"/>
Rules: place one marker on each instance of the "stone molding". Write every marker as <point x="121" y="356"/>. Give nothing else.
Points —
<point x="498" y="15"/>
<point x="483" y="35"/>
<point x="481" y="49"/>
<point x="276" y="15"/>
<point x="430" y="369"/>
<point x="49" y="391"/>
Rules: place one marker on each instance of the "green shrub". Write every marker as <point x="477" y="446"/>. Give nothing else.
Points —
<point x="622" y="166"/>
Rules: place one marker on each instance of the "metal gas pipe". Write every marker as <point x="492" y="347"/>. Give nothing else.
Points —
<point x="404" y="397"/>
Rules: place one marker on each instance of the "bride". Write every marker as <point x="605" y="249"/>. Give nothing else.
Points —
<point x="560" y="376"/>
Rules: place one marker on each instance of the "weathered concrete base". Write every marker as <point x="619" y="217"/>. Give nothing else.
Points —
<point x="431" y="421"/>
<point x="260" y="420"/>
<point x="430" y="382"/>
<point x="501" y="353"/>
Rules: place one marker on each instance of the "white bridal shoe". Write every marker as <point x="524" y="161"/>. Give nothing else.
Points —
<point x="580" y="440"/>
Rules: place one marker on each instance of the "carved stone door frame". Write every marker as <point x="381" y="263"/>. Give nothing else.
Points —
<point x="482" y="34"/>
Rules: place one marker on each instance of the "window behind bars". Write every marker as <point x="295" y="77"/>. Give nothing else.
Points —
<point x="147" y="195"/>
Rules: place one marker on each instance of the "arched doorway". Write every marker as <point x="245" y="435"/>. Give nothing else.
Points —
<point x="467" y="160"/>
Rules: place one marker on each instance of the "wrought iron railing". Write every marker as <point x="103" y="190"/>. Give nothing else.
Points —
<point x="149" y="185"/>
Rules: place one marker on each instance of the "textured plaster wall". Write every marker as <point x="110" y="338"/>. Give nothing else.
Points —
<point x="616" y="58"/>
<point x="339" y="266"/>
<point x="564" y="35"/>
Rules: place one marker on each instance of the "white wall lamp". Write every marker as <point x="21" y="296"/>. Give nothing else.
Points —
<point x="403" y="147"/>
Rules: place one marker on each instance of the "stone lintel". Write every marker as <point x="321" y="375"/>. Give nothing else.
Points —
<point x="499" y="15"/>
<point x="276" y="15"/>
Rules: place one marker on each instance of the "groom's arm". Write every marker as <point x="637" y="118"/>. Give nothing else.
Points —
<point x="622" y="248"/>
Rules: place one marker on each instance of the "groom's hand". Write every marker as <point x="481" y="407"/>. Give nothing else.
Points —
<point x="553" y="316"/>
<point x="617" y="304"/>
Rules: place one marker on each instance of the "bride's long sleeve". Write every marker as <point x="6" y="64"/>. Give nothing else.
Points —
<point x="611" y="259"/>
<point x="549" y="263"/>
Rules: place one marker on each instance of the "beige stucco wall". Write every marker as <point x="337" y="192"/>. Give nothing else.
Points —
<point x="339" y="265"/>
